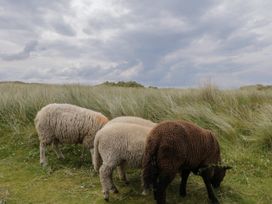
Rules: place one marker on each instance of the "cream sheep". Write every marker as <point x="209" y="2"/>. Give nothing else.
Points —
<point x="118" y="144"/>
<point x="65" y="123"/>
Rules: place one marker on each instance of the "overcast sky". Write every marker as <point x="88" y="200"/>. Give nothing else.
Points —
<point x="177" y="43"/>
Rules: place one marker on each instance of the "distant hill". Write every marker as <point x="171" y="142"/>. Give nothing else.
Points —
<point x="107" y="83"/>
<point x="123" y="84"/>
<point x="21" y="82"/>
<point x="12" y="82"/>
<point x="259" y="87"/>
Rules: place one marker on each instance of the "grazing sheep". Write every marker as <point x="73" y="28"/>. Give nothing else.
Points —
<point x="65" y="123"/>
<point x="118" y="144"/>
<point x="181" y="147"/>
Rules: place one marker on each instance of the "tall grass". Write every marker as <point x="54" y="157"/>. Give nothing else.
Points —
<point x="237" y="115"/>
<point x="241" y="119"/>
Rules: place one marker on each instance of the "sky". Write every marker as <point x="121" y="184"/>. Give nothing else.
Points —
<point x="175" y="43"/>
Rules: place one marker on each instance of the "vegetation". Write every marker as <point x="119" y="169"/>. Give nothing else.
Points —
<point x="259" y="87"/>
<point x="242" y="120"/>
<point x="123" y="84"/>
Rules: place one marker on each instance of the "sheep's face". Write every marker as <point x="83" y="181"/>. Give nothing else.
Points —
<point x="218" y="176"/>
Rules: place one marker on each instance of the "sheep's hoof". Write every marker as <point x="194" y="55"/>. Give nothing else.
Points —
<point x="127" y="182"/>
<point x="106" y="196"/>
<point x="43" y="164"/>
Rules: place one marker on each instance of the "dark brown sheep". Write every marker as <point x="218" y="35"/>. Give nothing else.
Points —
<point x="181" y="147"/>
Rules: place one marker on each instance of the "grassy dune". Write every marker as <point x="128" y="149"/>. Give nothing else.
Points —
<point x="242" y="120"/>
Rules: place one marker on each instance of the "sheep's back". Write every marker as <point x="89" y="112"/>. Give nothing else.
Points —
<point x="133" y="120"/>
<point x="202" y="145"/>
<point x="182" y="143"/>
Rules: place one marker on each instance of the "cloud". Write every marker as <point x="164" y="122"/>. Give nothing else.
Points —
<point x="25" y="53"/>
<point x="168" y="43"/>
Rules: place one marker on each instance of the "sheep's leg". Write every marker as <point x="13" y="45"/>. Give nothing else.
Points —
<point x="150" y="176"/>
<point x="122" y="172"/>
<point x="164" y="181"/>
<point x="92" y="154"/>
<point x="154" y="183"/>
<point x="55" y="146"/>
<point x="105" y="173"/>
<point x="43" y="161"/>
<point x="183" y="183"/>
<point x="92" y="158"/>
<point x="209" y="188"/>
<point x="82" y="154"/>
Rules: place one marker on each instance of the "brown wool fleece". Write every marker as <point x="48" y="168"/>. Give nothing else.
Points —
<point x="176" y="145"/>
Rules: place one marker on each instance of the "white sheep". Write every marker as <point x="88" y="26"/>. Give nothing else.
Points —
<point x="131" y="120"/>
<point x="118" y="144"/>
<point x="66" y="123"/>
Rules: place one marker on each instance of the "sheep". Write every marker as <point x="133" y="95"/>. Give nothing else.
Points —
<point x="130" y="120"/>
<point x="118" y="144"/>
<point x="66" y="123"/>
<point x="180" y="146"/>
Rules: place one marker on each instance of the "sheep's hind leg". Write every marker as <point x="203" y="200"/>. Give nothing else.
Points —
<point x="122" y="172"/>
<point x="105" y="173"/>
<point x="82" y="154"/>
<point x="55" y="146"/>
<point x="183" y="183"/>
<point x="43" y="161"/>
<point x="164" y="181"/>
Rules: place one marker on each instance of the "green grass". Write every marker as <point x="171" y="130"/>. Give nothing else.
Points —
<point x="241" y="119"/>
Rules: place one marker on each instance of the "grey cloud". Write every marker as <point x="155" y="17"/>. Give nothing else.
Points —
<point x="64" y="29"/>
<point x="25" y="53"/>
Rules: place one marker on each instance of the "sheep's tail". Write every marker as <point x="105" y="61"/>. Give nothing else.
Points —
<point x="97" y="160"/>
<point x="150" y="165"/>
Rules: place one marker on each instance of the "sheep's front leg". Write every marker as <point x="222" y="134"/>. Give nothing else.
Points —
<point x="105" y="173"/>
<point x="211" y="194"/>
<point x="43" y="161"/>
<point x="183" y="183"/>
<point x="122" y="172"/>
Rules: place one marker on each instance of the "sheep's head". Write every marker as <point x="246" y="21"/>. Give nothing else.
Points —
<point x="219" y="173"/>
<point x="216" y="173"/>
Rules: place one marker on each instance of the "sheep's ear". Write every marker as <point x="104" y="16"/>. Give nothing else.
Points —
<point x="227" y="167"/>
